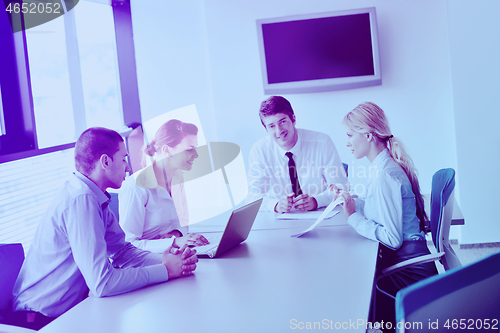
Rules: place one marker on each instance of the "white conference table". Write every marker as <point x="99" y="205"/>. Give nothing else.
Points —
<point x="270" y="283"/>
<point x="268" y="221"/>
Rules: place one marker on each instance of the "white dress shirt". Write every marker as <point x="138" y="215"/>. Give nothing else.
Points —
<point x="148" y="211"/>
<point x="388" y="213"/>
<point x="316" y="160"/>
<point x="79" y="245"/>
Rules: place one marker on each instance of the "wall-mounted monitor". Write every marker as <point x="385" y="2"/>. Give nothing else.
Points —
<point x="319" y="52"/>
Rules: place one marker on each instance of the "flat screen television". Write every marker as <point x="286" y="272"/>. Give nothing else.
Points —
<point x="319" y="52"/>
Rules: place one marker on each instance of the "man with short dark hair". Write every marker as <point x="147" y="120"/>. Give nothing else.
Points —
<point x="291" y="167"/>
<point x="79" y="245"/>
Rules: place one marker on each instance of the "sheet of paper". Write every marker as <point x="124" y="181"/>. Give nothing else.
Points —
<point x="322" y="216"/>
<point x="301" y="215"/>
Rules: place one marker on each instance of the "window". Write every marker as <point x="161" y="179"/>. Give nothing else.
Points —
<point x="18" y="133"/>
<point x="74" y="72"/>
<point x="56" y="80"/>
<point x="99" y="66"/>
<point x="50" y="83"/>
<point x="27" y="187"/>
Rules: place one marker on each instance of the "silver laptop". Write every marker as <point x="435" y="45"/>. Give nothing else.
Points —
<point x="236" y="231"/>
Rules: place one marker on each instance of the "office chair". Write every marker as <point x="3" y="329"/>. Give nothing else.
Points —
<point x="459" y="299"/>
<point x="345" y="169"/>
<point x="442" y="199"/>
<point x="135" y="141"/>
<point x="11" y="260"/>
<point x="114" y="205"/>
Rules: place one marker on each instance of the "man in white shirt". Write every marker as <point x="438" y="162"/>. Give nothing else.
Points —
<point x="291" y="167"/>
<point x="79" y="245"/>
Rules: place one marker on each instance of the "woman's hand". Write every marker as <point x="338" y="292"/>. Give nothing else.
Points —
<point x="190" y="240"/>
<point x="336" y="191"/>
<point x="349" y="204"/>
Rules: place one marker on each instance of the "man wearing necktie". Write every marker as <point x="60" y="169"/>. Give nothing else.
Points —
<point x="291" y="167"/>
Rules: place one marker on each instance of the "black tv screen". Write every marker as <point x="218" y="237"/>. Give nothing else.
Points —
<point x="319" y="52"/>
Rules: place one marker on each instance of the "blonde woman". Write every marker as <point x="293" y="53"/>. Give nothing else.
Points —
<point x="393" y="211"/>
<point x="153" y="210"/>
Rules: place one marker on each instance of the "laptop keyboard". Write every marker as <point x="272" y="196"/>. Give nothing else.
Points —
<point x="214" y="240"/>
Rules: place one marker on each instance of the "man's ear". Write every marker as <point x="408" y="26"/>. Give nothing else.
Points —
<point x="104" y="161"/>
<point x="293" y="119"/>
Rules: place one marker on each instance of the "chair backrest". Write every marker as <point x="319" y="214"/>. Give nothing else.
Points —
<point x="11" y="260"/>
<point x="442" y="201"/>
<point x="471" y="293"/>
<point x="114" y="205"/>
<point x="346" y="167"/>
<point x="135" y="142"/>
<point x="450" y="259"/>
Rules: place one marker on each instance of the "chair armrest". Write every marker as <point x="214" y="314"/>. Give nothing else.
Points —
<point x="14" y="329"/>
<point x="417" y="260"/>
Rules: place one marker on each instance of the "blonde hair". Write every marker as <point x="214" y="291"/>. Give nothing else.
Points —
<point x="171" y="134"/>
<point x="368" y="117"/>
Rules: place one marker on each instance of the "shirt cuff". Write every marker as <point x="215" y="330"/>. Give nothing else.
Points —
<point x="182" y="230"/>
<point x="360" y="205"/>
<point x="271" y="204"/>
<point x="157" y="273"/>
<point x="155" y="245"/>
<point x="323" y="200"/>
<point x="355" y="219"/>
<point x="152" y="259"/>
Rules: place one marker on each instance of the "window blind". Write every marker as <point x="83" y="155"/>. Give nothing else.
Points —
<point x="27" y="187"/>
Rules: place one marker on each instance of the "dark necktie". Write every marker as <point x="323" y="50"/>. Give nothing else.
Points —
<point x="292" y="170"/>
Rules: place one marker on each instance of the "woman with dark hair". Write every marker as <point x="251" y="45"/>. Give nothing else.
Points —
<point x="153" y="209"/>
<point x="393" y="211"/>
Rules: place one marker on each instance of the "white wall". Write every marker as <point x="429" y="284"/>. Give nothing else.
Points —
<point x="475" y="55"/>
<point x="416" y="90"/>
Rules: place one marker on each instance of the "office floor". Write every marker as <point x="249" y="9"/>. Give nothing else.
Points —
<point x="468" y="254"/>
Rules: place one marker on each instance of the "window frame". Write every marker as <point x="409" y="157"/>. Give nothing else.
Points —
<point x="20" y="140"/>
<point x="2" y="121"/>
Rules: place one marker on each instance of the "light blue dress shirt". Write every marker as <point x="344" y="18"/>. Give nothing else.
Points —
<point x="388" y="213"/>
<point x="79" y="244"/>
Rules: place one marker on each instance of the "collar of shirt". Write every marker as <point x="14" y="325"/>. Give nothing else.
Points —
<point x="295" y="149"/>
<point x="377" y="162"/>
<point x="146" y="178"/>
<point x="381" y="157"/>
<point x="102" y="197"/>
